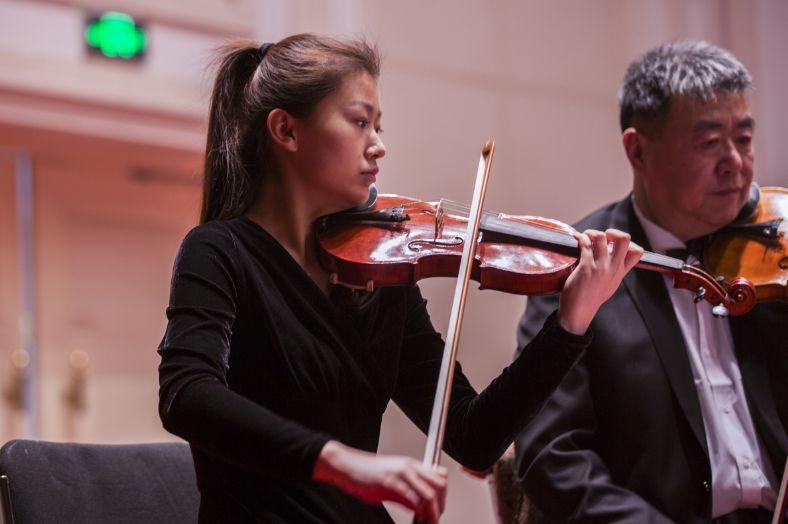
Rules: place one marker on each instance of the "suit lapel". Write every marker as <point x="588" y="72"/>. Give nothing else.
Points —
<point x="650" y="296"/>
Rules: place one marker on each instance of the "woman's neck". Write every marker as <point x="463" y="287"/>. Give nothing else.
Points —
<point x="290" y="228"/>
<point x="287" y="216"/>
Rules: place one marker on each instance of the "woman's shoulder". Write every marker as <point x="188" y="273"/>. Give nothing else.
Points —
<point x="216" y="233"/>
<point x="210" y="243"/>
<point x="211" y="250"/>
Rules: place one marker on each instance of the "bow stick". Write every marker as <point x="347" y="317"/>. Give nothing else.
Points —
<point x="446" y="375"/>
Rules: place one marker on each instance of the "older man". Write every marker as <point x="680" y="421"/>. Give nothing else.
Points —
<point x="672" y="415"/>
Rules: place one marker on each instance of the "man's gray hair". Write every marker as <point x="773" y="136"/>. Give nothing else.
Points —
<point x="697" y="69"/>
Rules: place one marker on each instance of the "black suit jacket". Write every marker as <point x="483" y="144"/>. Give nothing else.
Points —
<point x="622" y="439"/>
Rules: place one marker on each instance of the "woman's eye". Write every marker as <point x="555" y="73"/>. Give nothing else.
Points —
<point x="378" y="130"/>
<point x="362" y="123"/>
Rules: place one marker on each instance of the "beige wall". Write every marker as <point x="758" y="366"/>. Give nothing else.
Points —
<point x="539" y="78"/>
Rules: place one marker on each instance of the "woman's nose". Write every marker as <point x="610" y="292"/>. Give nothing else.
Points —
<point x="377" y="149"/>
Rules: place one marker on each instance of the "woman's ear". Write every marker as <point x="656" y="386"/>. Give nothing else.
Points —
<point x="281" y="129"/>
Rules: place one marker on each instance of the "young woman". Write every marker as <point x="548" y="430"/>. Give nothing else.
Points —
<point x="278" y="380"/>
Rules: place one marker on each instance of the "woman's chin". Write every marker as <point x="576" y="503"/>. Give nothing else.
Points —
<point x="366" y="197"/>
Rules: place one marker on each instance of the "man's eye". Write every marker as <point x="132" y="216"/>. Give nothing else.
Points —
<point x="744" y="140"/>
<point x="710" y="143"/>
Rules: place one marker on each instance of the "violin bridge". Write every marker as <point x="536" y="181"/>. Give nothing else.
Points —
<point x="439" y="220"/>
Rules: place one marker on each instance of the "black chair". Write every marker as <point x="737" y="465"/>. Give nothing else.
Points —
<point x="51" y="482"/>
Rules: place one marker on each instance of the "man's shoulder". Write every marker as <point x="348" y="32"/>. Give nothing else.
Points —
<point x="614" y="214"/>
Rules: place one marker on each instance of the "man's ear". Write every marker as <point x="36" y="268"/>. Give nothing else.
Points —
<point x="281" y="129"/>
<point x="634" y="147"/>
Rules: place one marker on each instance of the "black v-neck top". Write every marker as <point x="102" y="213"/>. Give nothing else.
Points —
<point x="259" y="369"/>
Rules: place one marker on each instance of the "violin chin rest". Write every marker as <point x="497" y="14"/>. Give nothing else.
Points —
<point x="751" y="206"/>
<point x="373" y="197"/>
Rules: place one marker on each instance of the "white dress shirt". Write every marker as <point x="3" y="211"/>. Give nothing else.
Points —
<point x="741" y="475"/>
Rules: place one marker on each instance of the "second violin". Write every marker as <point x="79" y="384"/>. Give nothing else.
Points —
<point x="756" y="247"/>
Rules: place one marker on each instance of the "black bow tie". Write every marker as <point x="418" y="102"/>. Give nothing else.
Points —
<point x="694" y="247"/>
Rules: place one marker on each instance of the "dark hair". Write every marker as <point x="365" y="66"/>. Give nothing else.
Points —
<point x="698" y="69"/>
<point x="293" y="74"/>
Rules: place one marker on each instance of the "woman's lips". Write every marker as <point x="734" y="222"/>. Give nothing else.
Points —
<point x="370" y="175"/>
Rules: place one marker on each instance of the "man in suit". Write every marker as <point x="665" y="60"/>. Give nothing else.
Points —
<point x="672" y="415"/>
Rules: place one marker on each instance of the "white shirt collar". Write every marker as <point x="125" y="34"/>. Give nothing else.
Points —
<point x="659" y="238"/>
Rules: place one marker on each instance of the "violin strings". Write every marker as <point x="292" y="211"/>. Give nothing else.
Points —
<point x="534" y="230"/>
<point x="458" y="208"/>
<point x="524" y="228"/>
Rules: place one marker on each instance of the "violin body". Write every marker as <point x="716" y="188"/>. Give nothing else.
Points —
<point x="429" y="244"/>
<point x="756" y="249"/>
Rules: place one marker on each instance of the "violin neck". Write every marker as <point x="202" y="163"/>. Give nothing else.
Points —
<point x="503" y="230"/>
<point x="499" y="229"/>
<point x="735" y="299"/>
<point x="657" y="262"/>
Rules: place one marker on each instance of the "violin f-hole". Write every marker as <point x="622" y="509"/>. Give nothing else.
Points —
<point x="415" y="245"/>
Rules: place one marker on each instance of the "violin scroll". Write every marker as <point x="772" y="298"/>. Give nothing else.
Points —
<point x="736" y="298"/>
<point x="742" y="296"/>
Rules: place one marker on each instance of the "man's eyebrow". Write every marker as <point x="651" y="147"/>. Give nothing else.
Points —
<point x="712" y="125"/>
<point x="706" y="125"/>
<point x="746" y="123"/>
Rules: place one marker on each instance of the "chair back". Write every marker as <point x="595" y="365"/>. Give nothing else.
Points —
<point x="510" y="503"/>
<point x="52" y="482"/>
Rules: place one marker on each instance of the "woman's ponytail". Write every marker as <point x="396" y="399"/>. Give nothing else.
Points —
<point x="230" y="173"/>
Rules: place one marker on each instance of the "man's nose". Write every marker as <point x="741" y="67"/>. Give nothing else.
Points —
<point x="731" y="160"/>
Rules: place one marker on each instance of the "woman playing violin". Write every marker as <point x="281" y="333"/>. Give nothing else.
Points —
<point x="279" y="380"/>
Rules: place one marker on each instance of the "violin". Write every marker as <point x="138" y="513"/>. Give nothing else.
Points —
<point x="398" y="241"/>
<point x="755" y="248"/>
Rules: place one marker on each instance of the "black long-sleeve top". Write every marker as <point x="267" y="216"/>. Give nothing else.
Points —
<point x="260" y="369"/>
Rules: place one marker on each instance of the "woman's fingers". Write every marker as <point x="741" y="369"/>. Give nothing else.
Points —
<point x="598" y="245"/>
<point x="585" y="245"/>
<point x="612" y="247"/>
<point x="440" y="480"/>
<point x="619" y="246"/>
<point x="421" y="490"/>
<point x="376" y="478"/>
<point x="634" y="253"/>
<point x="625" y="252"/>
<point x="402" y="492"/>
<point x="605" y="257"/>
<point x="428" y="491"/>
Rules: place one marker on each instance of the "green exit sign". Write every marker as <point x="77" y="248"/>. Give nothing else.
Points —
<point x="115" y="35"/>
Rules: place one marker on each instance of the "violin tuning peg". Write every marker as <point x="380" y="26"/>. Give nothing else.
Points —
<point x="699" y="294"/>
<point x="720" y="279"/>
<point x="719" y="311"/>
